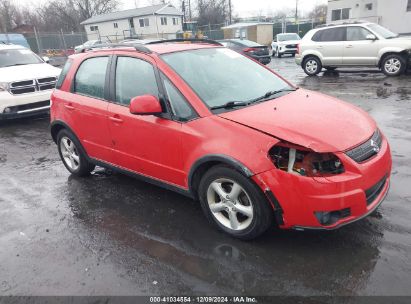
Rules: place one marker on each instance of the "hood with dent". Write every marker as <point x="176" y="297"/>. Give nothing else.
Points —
<point x="28" y="71"/>
<point x="313" y="120"/>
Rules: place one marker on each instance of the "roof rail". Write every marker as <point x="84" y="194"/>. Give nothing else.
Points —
<point x="342" y="23"/>
<point x="137" y="46"/>
<point x="192" y="40"/>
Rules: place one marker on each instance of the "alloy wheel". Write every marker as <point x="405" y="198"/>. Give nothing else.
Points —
<point x="311" y="66"/>
<point x="230" y="204"/>
<point x="392" y="65"/>
<point x="70" y="154"/>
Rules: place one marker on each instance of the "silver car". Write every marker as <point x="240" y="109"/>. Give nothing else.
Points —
<point x="354" y="45"/>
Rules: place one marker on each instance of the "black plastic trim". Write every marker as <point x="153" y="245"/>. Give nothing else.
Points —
<point x="142" y="177"/>
<point x="278" y="211"/>
<point x="216" y="158"/>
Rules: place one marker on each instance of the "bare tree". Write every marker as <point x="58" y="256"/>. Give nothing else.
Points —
<point x="212" y="11"/>
<point x="319" y="12"/>
<point x="7" y="15"/>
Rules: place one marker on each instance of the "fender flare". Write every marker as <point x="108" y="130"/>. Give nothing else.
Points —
<point x="211" y="158"/>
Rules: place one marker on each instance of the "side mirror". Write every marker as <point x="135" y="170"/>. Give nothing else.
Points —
<point x="46" y="59"/>
<point x="145" y="105"/>
<point x="371" y="37"/>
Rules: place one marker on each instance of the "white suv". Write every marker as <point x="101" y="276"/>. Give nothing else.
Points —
<point x="356" y="44"/>
<point x="26" y="82"/>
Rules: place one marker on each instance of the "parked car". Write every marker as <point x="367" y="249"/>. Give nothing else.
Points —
<point x="249" y="48"/>
<point x="212" y="124"/>
<point x="90" y="44"/>
<point x="17" y="39"/>
<point x="285" y="44"/>
<point x="26" y="81"/>
<point x="354" y="45"/>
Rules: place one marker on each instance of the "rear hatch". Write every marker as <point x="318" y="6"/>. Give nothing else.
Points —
<point x="258" y="50"/>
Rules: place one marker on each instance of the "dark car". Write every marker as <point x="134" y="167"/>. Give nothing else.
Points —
<point x="249" y="48"/>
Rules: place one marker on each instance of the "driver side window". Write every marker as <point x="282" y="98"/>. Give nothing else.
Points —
<point x="357" y="33"/>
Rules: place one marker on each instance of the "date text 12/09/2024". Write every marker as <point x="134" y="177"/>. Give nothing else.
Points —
<point x="203" y="299"/>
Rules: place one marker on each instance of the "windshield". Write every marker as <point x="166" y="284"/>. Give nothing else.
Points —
<point x="288" y="37"/>
<point x="382" y="31"/>
<point x="14" y="57"/>
<point x="220" y="75"/>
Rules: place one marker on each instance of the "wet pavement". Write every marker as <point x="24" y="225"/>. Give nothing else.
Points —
<point x="112" y="235"/>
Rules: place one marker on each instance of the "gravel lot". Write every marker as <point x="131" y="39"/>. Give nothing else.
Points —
<point x="112" y="235"/>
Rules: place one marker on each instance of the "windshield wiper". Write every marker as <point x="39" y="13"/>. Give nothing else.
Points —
<point x="391" y="37"/>
<point x="233" y="104"/>
<point x="269" y="94"/>
<point x="10" y="65"/>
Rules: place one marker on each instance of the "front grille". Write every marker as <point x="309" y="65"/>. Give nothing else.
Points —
<point x="31" y="86"/>
<point x="46" y="80"/>
<point x="372" y="193"/>
<point x="23" y="90"/>
<point x="367" y="149"/>
<point x="22" y="83"/>
<point x="30" y="106"/>
<point x="291" y="46"/>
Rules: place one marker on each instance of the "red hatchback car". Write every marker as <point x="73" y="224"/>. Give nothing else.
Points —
<point x="219" y="127"/>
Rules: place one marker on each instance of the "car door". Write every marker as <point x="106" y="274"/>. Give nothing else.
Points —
<point x="146" y="144"/>
<point x="357" y="49"/>
<point x="87" y="105"/>
<point x="330" y="43"/>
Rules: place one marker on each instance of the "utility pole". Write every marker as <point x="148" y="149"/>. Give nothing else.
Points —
<point x="189" y="9"/>
<point x="296" y="17"/>
<point x="229" y="11"/>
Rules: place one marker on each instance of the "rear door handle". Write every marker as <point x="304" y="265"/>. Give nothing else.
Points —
<point x="319" y="47"/>
<point x="349" y="46"/>
<point x="115" y="119"/>
<point x="69" y="106"/>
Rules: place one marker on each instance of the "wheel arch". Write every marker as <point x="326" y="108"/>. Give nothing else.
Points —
<point x="388" y="52"/>
<point x="58" y="125"/>
<point x="203" y="164"/>
<point x="311" y="54"/>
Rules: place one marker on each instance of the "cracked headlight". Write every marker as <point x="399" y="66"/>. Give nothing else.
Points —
<point x="305" y="162"/>
<point x="4" y="86"/>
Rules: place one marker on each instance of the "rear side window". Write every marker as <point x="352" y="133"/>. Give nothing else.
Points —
<point x="63" y="73"/>
<point x="355" y="33"/>
<point x="182" y="111"/>
<point x="333" y="34"/>
<point x="91" y="77"/>
<point x="134" y="77"/>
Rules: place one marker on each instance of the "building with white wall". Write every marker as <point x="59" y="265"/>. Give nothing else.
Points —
<point x="157" y="21"/>
<point x="392" y="14"/>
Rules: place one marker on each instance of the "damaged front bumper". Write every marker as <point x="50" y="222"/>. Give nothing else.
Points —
<point x="328" y="202"/>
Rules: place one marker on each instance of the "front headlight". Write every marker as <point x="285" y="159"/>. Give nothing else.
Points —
<point x="4" y="86"/>
<point x="305" y="162"/>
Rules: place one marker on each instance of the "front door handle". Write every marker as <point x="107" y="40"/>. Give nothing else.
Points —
<point x="69" y="106"/>
<point x="116" y="119"/>
<point x="349" y="46"/>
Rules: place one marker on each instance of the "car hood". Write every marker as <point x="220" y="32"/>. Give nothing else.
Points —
<point x="290" y="42"/>
<point x="28" y="71"/>
<point x="313" y="120"/>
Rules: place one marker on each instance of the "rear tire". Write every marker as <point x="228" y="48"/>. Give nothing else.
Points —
<point x="393" y="65"/>
<point x="72" y="155"/>
<point x="312" y="66"/>
<point x="234" y="204"/>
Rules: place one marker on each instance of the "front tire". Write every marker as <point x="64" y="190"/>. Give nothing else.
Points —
<point x="72" y="155"/>
<point x="312" y="66"/>
<point x="393" y="65"/>
<point x="234" y="204"/>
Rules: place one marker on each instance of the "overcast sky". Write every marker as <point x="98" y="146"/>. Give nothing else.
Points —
<point x="243" y="8"/>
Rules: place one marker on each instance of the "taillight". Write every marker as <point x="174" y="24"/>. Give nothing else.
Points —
<point x="249" y="50"/>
